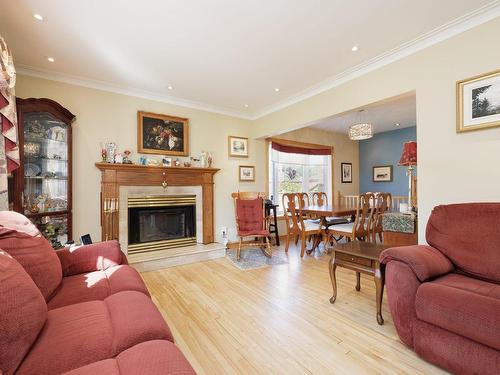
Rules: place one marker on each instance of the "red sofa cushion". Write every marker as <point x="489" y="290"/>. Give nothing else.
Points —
<point x="79" y="334"/>
<point x="97" y="285"/>
<point x="463" y="305"/>
<point x="156" y="357"/>
<point x="468" y="235"/>
<point x="21" y="239"/>
<point x="22" y="313"/>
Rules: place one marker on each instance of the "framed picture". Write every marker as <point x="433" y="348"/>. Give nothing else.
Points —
<point x="247" y="173"/>
<point x="346" y="172"/>
<point x="478" y="102"/>
<point x="382" y="173"/>
<point x="162" y="134"/>
<point x="238" y="146"/>
<point x="167" y="162"/>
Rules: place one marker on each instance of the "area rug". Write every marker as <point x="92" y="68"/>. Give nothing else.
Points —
<point x="254" y="258"/>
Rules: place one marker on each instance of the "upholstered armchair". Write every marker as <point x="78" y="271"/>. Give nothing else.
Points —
<point x="445" y="298"/>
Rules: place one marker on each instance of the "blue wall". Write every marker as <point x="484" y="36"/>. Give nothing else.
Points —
<point x="384" y="149"/>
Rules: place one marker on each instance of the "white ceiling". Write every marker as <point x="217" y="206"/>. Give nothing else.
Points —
<point x="383" y="116"/>
<point x="222" y="54"/>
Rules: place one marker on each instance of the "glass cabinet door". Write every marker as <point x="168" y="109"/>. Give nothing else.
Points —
<point x="45" y="195"/>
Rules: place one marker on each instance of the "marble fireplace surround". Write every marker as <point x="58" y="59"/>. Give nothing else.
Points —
<point x="142" y="191"/>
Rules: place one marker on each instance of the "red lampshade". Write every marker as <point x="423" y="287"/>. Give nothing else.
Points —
<point x="409" y="155"/>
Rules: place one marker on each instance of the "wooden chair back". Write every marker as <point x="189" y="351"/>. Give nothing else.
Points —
<point x="292" y="210"/>
<point x="303" y="199"/>
<point x="320" y="199"/>
<point x="364" y="215"/>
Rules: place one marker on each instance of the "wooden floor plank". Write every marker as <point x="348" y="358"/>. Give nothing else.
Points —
<point x="278" y="320"/>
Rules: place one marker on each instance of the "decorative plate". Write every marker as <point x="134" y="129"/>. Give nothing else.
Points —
<point x="31" y="170"/>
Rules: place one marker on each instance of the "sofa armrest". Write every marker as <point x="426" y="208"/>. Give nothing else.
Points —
<point x="425" y="261"/>
<point x="88" y="258"/>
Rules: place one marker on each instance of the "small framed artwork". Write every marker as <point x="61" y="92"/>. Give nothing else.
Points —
<point x="167" y="162"/>
<point x="478" y="102"/>
<point x="238" y="146"/>
<point x="162" y="134"/>
<point x="346" y="172"/>
<point x="382" y="173"/>
<point x="247" y="173"/>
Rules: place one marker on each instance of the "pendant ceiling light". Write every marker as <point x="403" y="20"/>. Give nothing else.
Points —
<point x="360" y="131"/>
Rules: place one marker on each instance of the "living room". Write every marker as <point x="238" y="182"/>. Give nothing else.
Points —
<point x="248" y="88"/>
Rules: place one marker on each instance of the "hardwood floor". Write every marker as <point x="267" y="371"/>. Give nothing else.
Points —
<point x="278" y="320"/>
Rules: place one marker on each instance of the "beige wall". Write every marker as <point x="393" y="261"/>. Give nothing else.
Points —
<point x="451" y="167"/>
<point x="344" y="150"/>
<point x="102" y="116"/>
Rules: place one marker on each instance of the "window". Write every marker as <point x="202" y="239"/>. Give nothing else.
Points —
<point x="295" y="172"/>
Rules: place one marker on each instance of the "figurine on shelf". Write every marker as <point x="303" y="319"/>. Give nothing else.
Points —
<point x="110" y="152"/>
<point x="196" y="162"/>
<point x="104" y="153"/>
<point x="126" y="156"/>
<point x="203" y="159"/>
<point x="187" y="164"/>
<point x="177" y="162"/>
<point x="210" y="160"/>
<point x="118" y="158"/>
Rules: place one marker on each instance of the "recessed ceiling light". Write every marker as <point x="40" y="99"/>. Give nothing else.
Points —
<point x="170" y="87"/>
<point x="397" y="124"/>
<point x="277" y="89"/>
<point x="354" y="48"/>
<point x="50" y="59"/>
<point x="38" y="17"/>
<point x="246" y="106"/>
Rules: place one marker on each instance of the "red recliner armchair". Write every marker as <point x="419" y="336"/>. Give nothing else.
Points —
<point x="445" y="298"/>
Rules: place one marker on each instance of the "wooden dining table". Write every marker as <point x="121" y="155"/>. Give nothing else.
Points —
<point x="324" y="211"/>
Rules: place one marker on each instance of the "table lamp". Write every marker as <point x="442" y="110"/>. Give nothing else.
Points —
<point x="409" y="159"/>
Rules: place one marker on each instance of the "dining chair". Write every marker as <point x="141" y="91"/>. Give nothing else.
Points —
<point x="383" y="201"/>
<point x="360" y="228"/>
<point x="321" y="199"/>
<point x="251" y="221"/>
<point x="296" y="225"/>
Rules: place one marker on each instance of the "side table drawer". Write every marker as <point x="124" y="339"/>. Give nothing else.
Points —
<point x="353" y="259"/>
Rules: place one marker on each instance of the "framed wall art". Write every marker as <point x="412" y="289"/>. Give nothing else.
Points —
<point x="382" y="173"/>
<point x="247" y="173"/>
<point x="346" y="173"/>
<point x="478" y="102"/>
<point x="162" y="134"/>
<point x="238" y="146"/>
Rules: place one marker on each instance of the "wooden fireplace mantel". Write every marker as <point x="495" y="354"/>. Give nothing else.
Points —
<point x="115" y="175"/>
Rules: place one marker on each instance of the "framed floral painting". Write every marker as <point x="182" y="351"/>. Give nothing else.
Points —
<point x="478" y="102"/>
<point x="162" y="134"/>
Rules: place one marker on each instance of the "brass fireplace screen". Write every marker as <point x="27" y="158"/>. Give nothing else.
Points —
<point x="161" y="222"/>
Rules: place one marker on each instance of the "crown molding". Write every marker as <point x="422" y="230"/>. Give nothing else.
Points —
<point x="128" y="91"/>
<point x="446" y="31"/>
<point x="459" y="25"/>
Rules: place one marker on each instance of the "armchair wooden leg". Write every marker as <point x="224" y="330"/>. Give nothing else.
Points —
<point x="269" y="248"/>
<point x="238" y="252"/>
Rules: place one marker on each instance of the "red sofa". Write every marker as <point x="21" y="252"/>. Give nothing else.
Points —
<point x="84" y="310"/>
<point x="445" y="298"/>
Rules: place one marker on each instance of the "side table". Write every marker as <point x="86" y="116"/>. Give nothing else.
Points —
<point x="361" y="257"/>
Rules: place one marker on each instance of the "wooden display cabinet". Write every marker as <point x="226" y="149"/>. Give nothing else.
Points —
<point x="43" y="182"/>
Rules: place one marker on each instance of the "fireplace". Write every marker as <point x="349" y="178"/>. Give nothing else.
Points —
<point x="161" y="222"/>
